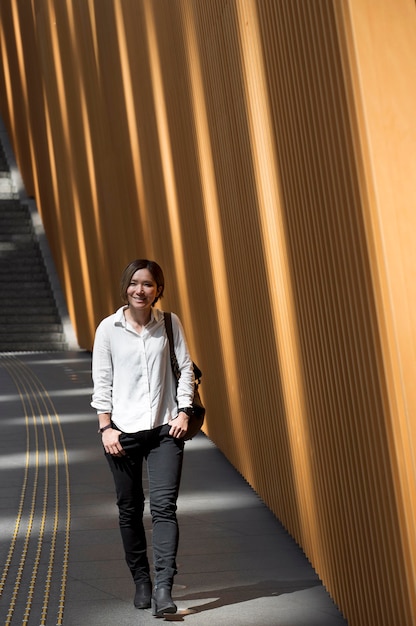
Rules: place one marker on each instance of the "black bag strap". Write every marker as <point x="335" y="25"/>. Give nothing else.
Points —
<point x="173" y="359"/>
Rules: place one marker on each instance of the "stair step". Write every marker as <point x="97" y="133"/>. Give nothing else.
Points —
<point x="20" y="264"/>
<point x="15" y="250"/>
<point x="16" y="254"/>
<point x="35" y="336"/>
<point x="32" y="303"/>
<point x="26" y="278"/>
<point x="13" y="213"/>
<point x="33" y="269"/>
<point x="50" y="319"/>
<point x="14" y="216"/>
<point x="26" y="237"/>
<point x="31" y="327"/>
<point x="15" y="202"/>
<point x="32" y="289"/>
<point x="36" y="291"/>
<point x="8" y="205"/>
<point x="10" y="280"/>
<point x="7" y="217"/>
<point x="33" y="346"/>
<point x="8" y="212"/>
<point x="18" y="228"/>
<point x="12" y="206"/>
<point x="39" y="308"/>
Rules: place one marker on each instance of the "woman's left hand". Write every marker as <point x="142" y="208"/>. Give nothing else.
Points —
<point x="179" y="426"/>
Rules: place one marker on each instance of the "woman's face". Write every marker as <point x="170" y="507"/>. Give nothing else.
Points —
<point x="142" y="290"/>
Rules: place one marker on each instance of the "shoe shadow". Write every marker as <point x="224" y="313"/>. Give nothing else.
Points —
<point x="235" y="595"/>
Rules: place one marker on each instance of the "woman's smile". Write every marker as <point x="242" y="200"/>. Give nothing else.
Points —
<point x="142" y="290"/>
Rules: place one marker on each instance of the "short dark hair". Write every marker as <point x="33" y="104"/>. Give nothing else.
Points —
<point x="141" y="264"/>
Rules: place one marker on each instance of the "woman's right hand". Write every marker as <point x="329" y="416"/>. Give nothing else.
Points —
<point x="111" y="442"/>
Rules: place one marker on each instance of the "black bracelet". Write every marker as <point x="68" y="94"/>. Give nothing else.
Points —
<point x="101" y="430"/>
<point x="188" y="410"/>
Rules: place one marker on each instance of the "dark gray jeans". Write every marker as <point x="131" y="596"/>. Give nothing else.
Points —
<point x="164" y="456"/>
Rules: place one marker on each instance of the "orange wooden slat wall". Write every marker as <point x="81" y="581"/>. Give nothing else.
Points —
<point x="263" y="153"/>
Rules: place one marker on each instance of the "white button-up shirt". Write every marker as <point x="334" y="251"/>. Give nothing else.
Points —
<point x="132" y="373"/>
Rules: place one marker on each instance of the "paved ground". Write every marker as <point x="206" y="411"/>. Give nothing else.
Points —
<point x="60" y="550"/>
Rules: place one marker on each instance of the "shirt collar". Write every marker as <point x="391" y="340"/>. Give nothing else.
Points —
<point x="119" y="320"/>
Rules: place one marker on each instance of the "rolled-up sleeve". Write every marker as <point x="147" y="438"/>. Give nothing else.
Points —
<point x="102" y="371"/>
<point x="185" y="390"/>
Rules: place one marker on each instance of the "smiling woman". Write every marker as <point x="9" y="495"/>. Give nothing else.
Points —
<point x="142" y="291"/>
<point x="142" y="416"/>
<point x="154" y="276"/>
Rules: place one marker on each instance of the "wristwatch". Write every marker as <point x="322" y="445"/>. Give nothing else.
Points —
<point x="188" y="410"/>
<point x="101" y="430"/>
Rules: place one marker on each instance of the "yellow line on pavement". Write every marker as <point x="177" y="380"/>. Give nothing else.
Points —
<point x="40" y="412"/>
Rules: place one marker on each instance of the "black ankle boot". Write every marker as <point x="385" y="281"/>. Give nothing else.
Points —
<point x="143" y="596"/>
<point x="162" y="602"/>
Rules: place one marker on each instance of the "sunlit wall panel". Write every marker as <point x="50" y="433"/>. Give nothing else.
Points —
<point x="263" y="153"/>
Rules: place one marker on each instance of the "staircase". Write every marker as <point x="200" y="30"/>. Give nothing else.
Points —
<point x="29" y="317"/>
